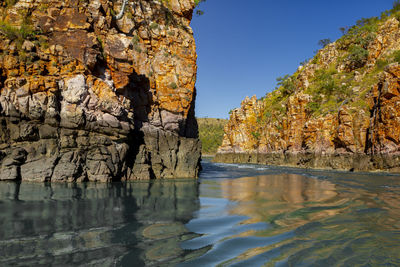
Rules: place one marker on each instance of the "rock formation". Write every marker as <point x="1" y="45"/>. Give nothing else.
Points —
<point x="339" y="111"/>
<point x="85" y="96"/>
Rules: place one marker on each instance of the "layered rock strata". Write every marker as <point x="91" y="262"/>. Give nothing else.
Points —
<point x="359" y="132"/>
<point x="85" y="96"/>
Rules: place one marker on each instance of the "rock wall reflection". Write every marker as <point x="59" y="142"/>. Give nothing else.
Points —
<point x="282" y="199"/>
<point x="343" y="219"/>
<point x="128" y="224"/>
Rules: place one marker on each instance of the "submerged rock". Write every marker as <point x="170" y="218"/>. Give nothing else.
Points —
<point x="86" y="97"/>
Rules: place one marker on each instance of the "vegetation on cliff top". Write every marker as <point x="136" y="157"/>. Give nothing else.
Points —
<point x="18" y="31"/>
<point x="211" y="133"/>
<point x="346" y="79"/>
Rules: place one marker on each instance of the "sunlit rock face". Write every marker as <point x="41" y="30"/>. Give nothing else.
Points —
<point x="87" y="97"/>
<point x="358" y="131"/>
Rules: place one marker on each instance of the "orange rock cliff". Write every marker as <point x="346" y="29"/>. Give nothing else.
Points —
<point x="87" y="96"/>
<point x="340" y="110"/>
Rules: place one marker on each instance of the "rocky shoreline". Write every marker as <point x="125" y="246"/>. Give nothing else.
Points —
<point x="330" y="113"/>
<point x="344" y="162"/>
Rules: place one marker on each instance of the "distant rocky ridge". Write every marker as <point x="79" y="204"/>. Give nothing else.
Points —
<point x="87" y="97"/>
<point x="339" y="111"/>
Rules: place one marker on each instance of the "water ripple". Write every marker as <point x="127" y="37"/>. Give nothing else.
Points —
<point x="286" y="219"/>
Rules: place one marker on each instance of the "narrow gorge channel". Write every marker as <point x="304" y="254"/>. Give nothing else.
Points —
<point x="108" y="155"/>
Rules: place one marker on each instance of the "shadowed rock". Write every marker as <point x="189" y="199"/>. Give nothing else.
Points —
<point x="85" y="99"/>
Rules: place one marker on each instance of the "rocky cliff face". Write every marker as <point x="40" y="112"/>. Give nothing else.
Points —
<point x="340" y="110"/>
<point x="85" y="96"/>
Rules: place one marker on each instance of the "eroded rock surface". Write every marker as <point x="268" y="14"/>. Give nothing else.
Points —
<point x="357" y="131"/>
<point x="86" y="97"/>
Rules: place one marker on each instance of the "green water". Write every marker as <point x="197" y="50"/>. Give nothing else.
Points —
<point x="235" y="215"/>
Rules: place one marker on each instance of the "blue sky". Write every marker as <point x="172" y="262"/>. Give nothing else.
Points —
<point x="243" y="46"/>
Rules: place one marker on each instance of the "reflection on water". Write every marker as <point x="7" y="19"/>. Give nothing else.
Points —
<point x="266" y="197"/>
<point x="287" y="219"/>
<point x="131" y="224"/>
<point x="240" y="215"/>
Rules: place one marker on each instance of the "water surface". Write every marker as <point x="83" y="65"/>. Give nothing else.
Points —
<point x="235" y="215"/>
<point x="132" y="224"/>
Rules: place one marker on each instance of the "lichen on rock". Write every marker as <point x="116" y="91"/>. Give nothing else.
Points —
<point x="84" y="96"/>
<point x="338" y="111"/>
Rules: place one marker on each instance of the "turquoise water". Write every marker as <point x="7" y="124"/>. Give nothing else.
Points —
<point x="235" y="215"/>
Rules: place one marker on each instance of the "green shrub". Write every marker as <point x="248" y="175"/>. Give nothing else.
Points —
<point x="384" y="15"/>
<point x="358" y="56"/>
<point x="14" y="33"/>
<point x="313" y="106"/>
<point x="365" y="25"/>
<point x="328" y="86"/>
<point x="286" y="85"/>
<point x="199" y="12"/>
<point x="362" y="33"/>
<point x="197" y="2"/>
<point x="324" y="42"/>
<point x="267" y="114"/>
<point x="327" y="89"/>
<point x="364" y="41"/>
<point x="304" y="62"/>
<point x="396" y="6"/>
<point x="343" y="92"/>
<point x="344" y="30"/>
<point x="43" y="42"/>
<point x="154" y="26"/>
<point x="360" y="104"/>
<point x="100" y="41"/>
<point x="396" y="56"/>
<point x="381" y="64"/>
<point x="324" y="81"/>
<point x="173" y="85"/>
<point x="135" y="39"/>
<point x="256" y="135"/>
